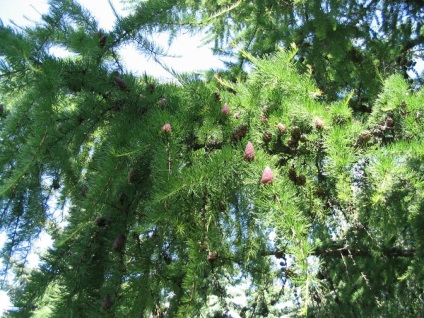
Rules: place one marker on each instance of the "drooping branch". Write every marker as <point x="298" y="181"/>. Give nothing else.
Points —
<point x="345" y="251"/>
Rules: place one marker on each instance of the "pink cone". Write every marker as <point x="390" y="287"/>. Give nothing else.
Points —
<point x="225" y="110"/>
<point x="249" y="152"/>
<point x="267" y="176"/>
<point x="281" y="127"/>
<point x="319" y="124"/>
<point x="166" y="128"/>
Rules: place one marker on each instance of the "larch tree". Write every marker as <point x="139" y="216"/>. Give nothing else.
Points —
<point x="288" y="184"/>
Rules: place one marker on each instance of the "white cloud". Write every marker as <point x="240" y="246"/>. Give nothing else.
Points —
<point x="5" y="303"/>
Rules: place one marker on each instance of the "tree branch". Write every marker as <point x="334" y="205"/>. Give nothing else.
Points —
<point x="344" y="251"/>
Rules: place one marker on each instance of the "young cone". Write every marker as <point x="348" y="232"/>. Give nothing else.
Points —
<point x="267" y="176"/>
<point x="249" y="152"/>
<point x="281" y="127"/>
<point x="166" y="129"/>
<point x="319" y="124"/>
<point x="225" y="110"/>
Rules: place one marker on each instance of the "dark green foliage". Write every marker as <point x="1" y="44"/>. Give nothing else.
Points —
<point x="156" y="206"/>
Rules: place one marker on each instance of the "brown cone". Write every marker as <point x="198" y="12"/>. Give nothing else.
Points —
<point x="119" y="243"/>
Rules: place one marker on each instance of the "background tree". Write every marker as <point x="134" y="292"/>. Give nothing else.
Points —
<point x="348" y="45"/>
<point x="176" y="195"/>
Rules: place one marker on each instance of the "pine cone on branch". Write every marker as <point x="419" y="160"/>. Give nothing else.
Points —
<point x="249" y="152"/>
<point x="107" y="303"/>
<point x="240" y="132"/>
<point x="120" y="83"/>
<point x="267" y="176"/>
<point x="119" y="243"/>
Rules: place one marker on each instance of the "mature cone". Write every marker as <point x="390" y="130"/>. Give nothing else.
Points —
<point x="389" y="122"/>
<point x="225" y="110"/>
<point x="55" y="184"/>
<point x="166" y="257"/>
<point x="293" y="143"/>
<point x="267" y="137"/>
<point x="150" y="87"/>
<point x="102" y="221"/>
<point x="267" y="176"/>
<point x="264" y="119"/>
<point x="163" y="100"/>
<point x="279" y="254"/>
<point x="212" y="256"/>
<point x="117" y="106"/>
<point x="107" y="303"/>
<point x="134" y="176"/>
<point x="217" y="97"/>
<point x="120" y="83"/>
<point x="123" y="198"/>
<point x="119" y="243"/>
<point x="166" y="129"/>
<point x="319" y="192"/>
<point x="301" y="180"/>
<point x="239" y="132"/>
<point x="102" y="41"/>
<point x="1" y="109"/>
<point x="365" y="136"/>
<point x="292" y="174"/>
<point x="84" y="190"/>
<point x="296" y="132"/>
<point x="249" y="152"/>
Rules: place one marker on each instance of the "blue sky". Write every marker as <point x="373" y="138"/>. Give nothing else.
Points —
<point x="192" y="56"/>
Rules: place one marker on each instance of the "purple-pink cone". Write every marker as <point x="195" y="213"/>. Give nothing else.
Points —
<point x="319" y="124"/>
<point x="225" y="110"/>
<point x="249" y="152"/>
<point x="267" y="176"/>
<point x="166" y="128"/>
<point x="119" y="243"/>
<point x="281" y="127"/>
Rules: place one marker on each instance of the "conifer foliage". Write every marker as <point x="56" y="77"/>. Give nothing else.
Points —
<point x="215" y="196"/>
